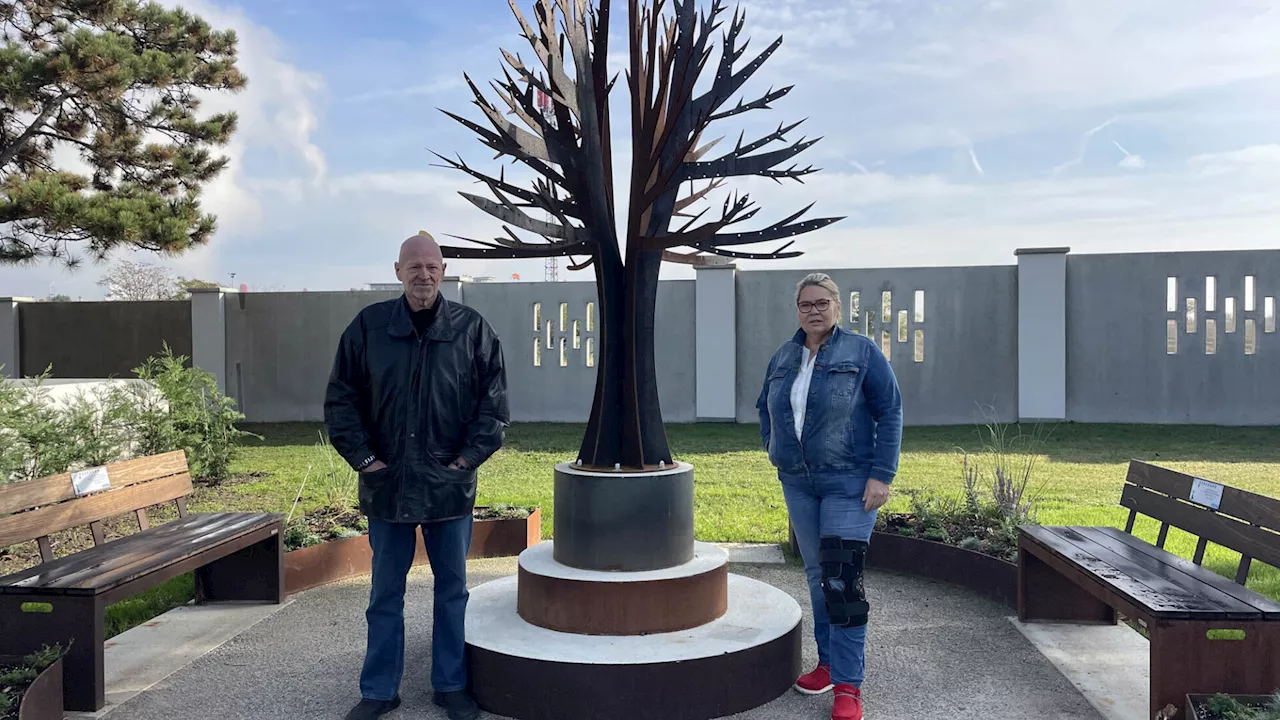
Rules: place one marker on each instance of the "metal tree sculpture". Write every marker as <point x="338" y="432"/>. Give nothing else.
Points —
<point x="570" y="150"/>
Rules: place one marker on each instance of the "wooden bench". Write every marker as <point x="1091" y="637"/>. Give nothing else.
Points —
<point x="235" y="556"/>
<point x="1088" y="574"/>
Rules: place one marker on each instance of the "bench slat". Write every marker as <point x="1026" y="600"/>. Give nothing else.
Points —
<point x="56" y="518"/>
<point x="1237" y="608"/>
<point x="15" y="497"/>
<point x="1252" y="508"/>
<point x="1269" y="608"/>
<point x="101" y="569"/>
<point x="1132" y="583"/>
<point x="1255" y="542"/>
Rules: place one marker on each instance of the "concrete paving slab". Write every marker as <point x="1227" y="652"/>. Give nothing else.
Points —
<point x="755" y="553"/>
<point x="933" y="652"/>
<point x="144" y="655"/>
<point x="1109" y="664"/>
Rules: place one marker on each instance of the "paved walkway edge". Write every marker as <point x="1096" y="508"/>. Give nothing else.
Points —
<point x="1109" y="664"/>
<point x="140" y="657"/>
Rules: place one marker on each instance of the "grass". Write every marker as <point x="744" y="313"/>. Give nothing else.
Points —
<point x="1078" y="477"/>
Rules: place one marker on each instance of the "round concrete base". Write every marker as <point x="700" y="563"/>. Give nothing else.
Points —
<point x="747" y="657"/>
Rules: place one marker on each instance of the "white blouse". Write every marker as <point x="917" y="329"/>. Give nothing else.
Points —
<point x="800" y="390"/>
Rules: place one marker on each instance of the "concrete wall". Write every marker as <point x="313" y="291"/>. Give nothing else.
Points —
<point x="968" y="369"/>
<point x="553" y="392"/>
<point x="1119" y="368"/>
<point x="280" y="348"/>
<point x="1055" y="336"/>
<point x="99" y="339"/>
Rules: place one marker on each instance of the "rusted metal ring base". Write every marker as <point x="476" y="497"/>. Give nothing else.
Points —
<point x="748" y="658"/>
<point x="571" y="600"/>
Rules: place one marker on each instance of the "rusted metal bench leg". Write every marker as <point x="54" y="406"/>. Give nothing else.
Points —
<point x="1046" y="595"/>
<point x="74" y="622"/>
<point x="255" y="572"/>
<point x="1185" y="660"/>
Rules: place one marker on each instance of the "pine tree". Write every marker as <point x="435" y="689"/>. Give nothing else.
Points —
<point x="117" y="82"/>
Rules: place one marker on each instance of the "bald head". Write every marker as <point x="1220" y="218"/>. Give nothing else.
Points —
<point x="421" y="270"/>
<point x="421" y="245"/>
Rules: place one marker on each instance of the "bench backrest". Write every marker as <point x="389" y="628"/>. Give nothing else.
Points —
<point x="35" y="509"/>
<point x="1242" y="521"/>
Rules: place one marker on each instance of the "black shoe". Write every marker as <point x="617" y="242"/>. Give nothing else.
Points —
<point x="459" y="704"/>
<point x="370" y="709"/>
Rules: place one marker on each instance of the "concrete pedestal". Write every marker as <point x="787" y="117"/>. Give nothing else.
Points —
<point x="623" y="616"/>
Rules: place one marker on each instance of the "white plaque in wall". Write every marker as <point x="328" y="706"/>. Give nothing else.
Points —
<point x="90" y="480"/>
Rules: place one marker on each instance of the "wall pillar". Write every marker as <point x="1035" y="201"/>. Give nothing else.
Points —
<point x="10" y="339"/>
<point x="716" y="343"/>
<point x="1042" y="333"/>
<point x="454" y="288"/>
<point x="209" y="332"/>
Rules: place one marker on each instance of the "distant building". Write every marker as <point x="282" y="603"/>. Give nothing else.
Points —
<point x="387" y="287"/>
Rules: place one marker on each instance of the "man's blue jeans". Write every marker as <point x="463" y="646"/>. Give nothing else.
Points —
<point x="394" y="545"/>
<point x="830" y="506"/>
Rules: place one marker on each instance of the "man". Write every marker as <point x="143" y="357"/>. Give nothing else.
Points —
<point x="416" y="401"/>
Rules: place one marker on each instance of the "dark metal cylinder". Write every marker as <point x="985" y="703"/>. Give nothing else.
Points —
<point x="623" y="521"/>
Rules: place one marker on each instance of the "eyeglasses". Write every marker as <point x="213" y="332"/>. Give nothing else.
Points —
<point x="807" y="307"/>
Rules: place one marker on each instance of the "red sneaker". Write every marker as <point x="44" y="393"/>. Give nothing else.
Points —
<point x="816" y="682"/>
<point x="848" y="705"/>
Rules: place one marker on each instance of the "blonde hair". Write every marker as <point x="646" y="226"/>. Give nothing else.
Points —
<point x="825" y="282"/>
<point x="821" y="280"/>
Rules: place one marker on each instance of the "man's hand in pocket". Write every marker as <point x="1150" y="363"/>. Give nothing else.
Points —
<point x="377" y="465"/>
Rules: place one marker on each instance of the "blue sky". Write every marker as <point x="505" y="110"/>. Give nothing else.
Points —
<point x="954" y="132"/>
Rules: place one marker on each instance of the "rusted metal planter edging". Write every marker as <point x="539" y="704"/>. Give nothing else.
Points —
<point x="43" y="699"/>
<point x="1194" y="700"/>
<point x="328" y="562"/>
<point x="990" y="577"/>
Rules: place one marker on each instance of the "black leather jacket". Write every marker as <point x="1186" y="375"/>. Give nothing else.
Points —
<point x="417" y="404"/>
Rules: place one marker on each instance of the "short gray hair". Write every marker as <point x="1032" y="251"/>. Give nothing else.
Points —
<point x="821" y="280"/>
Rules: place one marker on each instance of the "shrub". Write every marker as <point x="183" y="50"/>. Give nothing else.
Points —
<point x="195" y="416"/>
<point x="175" y="408"/>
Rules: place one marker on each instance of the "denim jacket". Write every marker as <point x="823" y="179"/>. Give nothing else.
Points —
<point x="853" y="414"/>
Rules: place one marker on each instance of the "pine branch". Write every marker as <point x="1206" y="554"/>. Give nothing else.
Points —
<point x="52" y="106"/>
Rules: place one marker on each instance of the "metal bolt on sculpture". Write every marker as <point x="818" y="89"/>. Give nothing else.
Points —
<point x="569" y="147"/>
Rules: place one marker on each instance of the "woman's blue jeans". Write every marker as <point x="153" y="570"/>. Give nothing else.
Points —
<point x="394" y="545"/>
<point x="821" y="506"/>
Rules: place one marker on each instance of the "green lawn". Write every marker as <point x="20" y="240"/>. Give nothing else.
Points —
<point x="1079" y="474"/>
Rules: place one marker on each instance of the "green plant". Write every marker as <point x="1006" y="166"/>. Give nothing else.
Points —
<point x="1010" y="456"/>
<point x="15" y="680"/>
<point x="194" y="416"/>
<point x="338" y="487"/>
<point x="35" y="432"/>
<point x="98" y="427"/>
<point x="1225" y="707"/>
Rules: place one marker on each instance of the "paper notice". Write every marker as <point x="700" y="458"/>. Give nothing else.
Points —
<point x="1206" y="493"/>
<point x="90" y="480"/>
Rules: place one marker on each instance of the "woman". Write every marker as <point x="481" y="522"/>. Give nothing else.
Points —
<point x="831" y="421"/>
